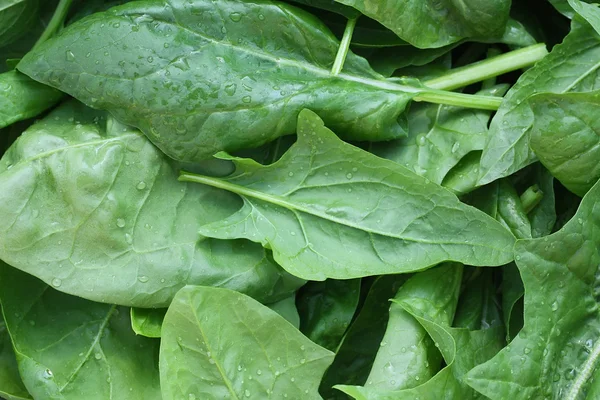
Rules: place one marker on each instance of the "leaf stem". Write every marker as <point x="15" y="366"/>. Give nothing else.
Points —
<point x="459" y="99"/>
<point x="58" y="19"/>
<point x="531" y="198"/>
<point x="340" y="57"/>
<point x="511" y="61"/>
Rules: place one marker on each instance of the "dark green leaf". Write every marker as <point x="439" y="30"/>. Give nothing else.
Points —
<point x="71" y="348"/>
<point x="11" y="385"/>
<point x="217" y="343"/>
<point x="566" y="137"/>
<point x="17" y="17"/>
<point x="207" y="67"/>
<point x="431" y="23"/>
<point x="22" y="97"/>
<point x="91" y="207"/>
<point x="556" y="354"/>
<point x="326" y="310"/>
<point x="331" y="195"/>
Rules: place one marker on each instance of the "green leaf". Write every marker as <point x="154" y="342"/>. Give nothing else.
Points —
<point x="17" y="17"/>
<point x="556" y="354"/>
<point x="431" y="23"/>
<point x="91" y="207"/>
<point x="439" y="136"/>
<point x="478" y="305"/>
<point x="565" y="137"/>
<point x="543" y="216"/>
<point x="211" y="67"/>
<point x="355" y="355"/>
<point x="71" y="348"/>
<point x="407" y="356"/>
<point x="147" y="321"/>
<point x="333" y="212"/>
<point x="589" y="12"/>
<point x="217" y="343"/>
<point x="326" y="310"/>
<point x="570" y="67"/>
<point x="330" y="5"/>
<point x="11" y="385"/>
<point x="287" y="309"/>
<point x="462" y="349"/>
<point x="22" y="98"/>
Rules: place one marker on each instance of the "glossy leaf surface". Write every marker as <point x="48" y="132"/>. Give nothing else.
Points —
<point x="91" y="207"/>
<point x="217" y="343"/>
<point x="71" y="348"/>
<point x="214" y="76"/>
<point x="556" y="354"/>
<point x="333" y="196"/>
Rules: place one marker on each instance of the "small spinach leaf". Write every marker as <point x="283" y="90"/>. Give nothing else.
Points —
<point x="147" y="321"/>
<point x="217" y="343"/>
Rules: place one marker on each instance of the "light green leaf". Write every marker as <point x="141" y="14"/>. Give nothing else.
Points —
<point x="21" y="97"/>
<point x="217" y="343"/>
<point x="556" y="354"/>
<point x="589" y="12"/>
<point x="147" y="321"/>
<point x="407" y="356"/>
<point x="215" y="76"/>
<point x="571" y="67"/>
<point x="432" y="23"/>
<point x="326" y="310"/>
<point x="91" y="207"/>
<point x="565" y="137"/>
<point x="330" y="210"/>
<point x="71" y="348"/>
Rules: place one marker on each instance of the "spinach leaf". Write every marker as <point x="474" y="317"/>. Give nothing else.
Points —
<point x="331" y="5"/>
<point x="71" y="348"/>
<point x="326" y="310"/>
<point x="355" y="356"/>
<point x="556" y="353"/>
<point x="589" y="12"/>
<point x="334" y="195"/>
<point x="16" y="18"/>
<point x="287" y="309"/>
<point x="22" y="98"/>
<point x="211" y="76"/>
<point x="439" y="137"/>
<point x="407" y="356"/>
<point x="147" y="321"/>
<point x="91" y="207"/>
<point x="570" y="67"/>
<point x="217" y="343"/>
<point x="565" y="137"/>
<point x="11" y="385"/>
<point x="462" y="349"/>
<point x="432" y="23"/>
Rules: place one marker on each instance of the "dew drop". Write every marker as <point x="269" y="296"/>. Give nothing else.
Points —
<point x="554" y="306"/>
<point x="56" y="282"/>
<point x="302" y="361"/>
<point x="455" y="147"/>
<point x="210" y="360"/>
<point x="230" y="89"/>
<point x="48" y="374"/>
<point x="421" y="140"/>
<point x="235" y="16"/>
<point x="143" y="279"/>
<point x="97" y="356"/>
<point x="150" y="59"/>
<point x="302" y="347"/>
<point x="120" y="222"/>
<point x="247" y="393"/>
<point x="70" y="55"/>
<point x="526" y="350"/>
<point x="349" y="175"/>
<point x="191" y="396"/>
<point x="141" y="185"/>
<point x="290" y="174"/>
<point x="247" y="99"/>
<point x="259" y="372"/>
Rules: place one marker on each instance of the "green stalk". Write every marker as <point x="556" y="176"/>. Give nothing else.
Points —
<point x="340" y="57"/>
<point x="57" y="21"/>
<point x="459" y="99"/>
<point x="531" y="198"/>
<point x="489" y="68"/>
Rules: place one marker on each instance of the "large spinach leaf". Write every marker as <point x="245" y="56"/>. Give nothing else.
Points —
<point x="434" y="23"/>
<point x="571" y="67"/>
<point x="202" y="76"/>
<point x="91" y="207"/>
<point x="16" y="18"/>
<point x="217" y="343"/>
<point x="71" y="348"/>
<point x="556" y="354"/>
<point x="331" y="195"/>
<point x="566" y="137"/>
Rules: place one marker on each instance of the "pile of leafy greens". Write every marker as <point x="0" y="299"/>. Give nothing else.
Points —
<point x="299" y="199"/>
